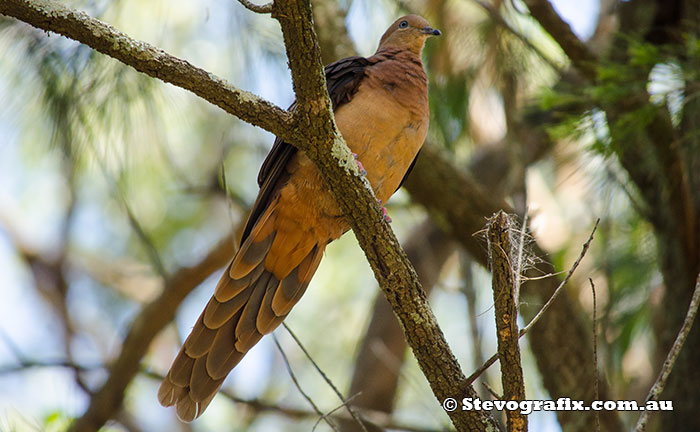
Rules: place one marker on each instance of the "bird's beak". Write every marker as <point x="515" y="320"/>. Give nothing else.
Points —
<point x="431" y="31"/>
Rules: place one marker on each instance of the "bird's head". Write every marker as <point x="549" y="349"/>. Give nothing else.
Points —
<point x="408" y="32"/>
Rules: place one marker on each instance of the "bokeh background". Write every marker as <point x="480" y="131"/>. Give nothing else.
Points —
<point x="112" y="182"/>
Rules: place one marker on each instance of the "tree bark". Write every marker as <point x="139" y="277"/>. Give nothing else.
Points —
<point x="503" y="269"/>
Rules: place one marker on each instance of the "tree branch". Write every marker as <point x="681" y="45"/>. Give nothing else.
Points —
<point x="544" y="308"/>
<point x="52" y="16"/>
<point x="503" y="282"/>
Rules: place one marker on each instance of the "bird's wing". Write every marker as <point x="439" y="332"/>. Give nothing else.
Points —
<point x="408" y="171"/>
<point x="343" y="78"/>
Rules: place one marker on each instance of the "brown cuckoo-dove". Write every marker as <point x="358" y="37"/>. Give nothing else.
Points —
<point x="381" y="108"/>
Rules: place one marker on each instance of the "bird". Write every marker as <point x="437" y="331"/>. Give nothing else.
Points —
<point x="380" y="105"/>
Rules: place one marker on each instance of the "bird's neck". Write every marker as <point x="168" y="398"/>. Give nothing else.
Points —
<point x="401" y="72"/>
<point x="401" y="54"/>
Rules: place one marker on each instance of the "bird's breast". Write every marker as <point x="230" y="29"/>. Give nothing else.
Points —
<point x="386" y="128"/>
<point x="385" y="131"/>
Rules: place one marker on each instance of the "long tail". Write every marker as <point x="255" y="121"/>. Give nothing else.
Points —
<point x="267" y="277"/>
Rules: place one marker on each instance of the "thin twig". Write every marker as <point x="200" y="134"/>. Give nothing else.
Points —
<point x="261" y="9"/>
<point x="30" y="364"/>
<point x="149" y="245"/>
<point x="546" y="276"/>
<point x="666" y="369"/>
<point x="342" y="398"/>
<point x="298" y="386"/>
<point x="343" y="404"/>
<point x="487" y="364"/>
<point x="492" y="391"/>
<point x="546" y="306"/>
<point x="596" y="392"/>
<point x="561" y="285"/>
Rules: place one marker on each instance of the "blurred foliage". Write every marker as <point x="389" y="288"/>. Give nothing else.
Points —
<point x="668" y="73"/>
<point x="609" y="117"/>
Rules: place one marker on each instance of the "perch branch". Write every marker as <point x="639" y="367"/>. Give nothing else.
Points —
<point x="503" y="285"/>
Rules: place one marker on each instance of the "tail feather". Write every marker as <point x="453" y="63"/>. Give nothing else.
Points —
<point x="256" y="247"/>
<point x="217" y="313"/>
<point x="246" y="261"/>
<point x="181" y="370"/>
<point x="290" y="249"/>
<point x="265" y="280"/>
<point x="294" y="285"/>
<point x="202" y="384"/>
<point x="169" y="395"/>
<point x="267" y="319"/>
<point x="223" y="355"/>
<point x="228" y="287"/>
<point x="188" y="409"/>
<point x="247" y="334"/>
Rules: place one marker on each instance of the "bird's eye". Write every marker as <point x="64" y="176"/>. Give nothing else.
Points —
<point x="403" y="24"/>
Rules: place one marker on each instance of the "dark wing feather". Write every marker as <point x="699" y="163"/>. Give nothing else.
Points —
<point x="408" y="171"/>
<point x="343" y="78"/>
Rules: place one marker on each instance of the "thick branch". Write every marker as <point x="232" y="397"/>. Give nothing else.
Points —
<point x="52" y="16"/>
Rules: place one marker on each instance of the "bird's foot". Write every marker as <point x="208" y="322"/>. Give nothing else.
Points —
<point x="385" y="213"/>
<point x="359" y="165"/>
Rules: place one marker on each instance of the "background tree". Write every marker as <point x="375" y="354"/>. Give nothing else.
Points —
<point x="123" y="194"/>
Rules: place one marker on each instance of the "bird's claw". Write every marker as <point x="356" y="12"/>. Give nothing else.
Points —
<point x="385" y="213"/>
<point x="359" y="165"/>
